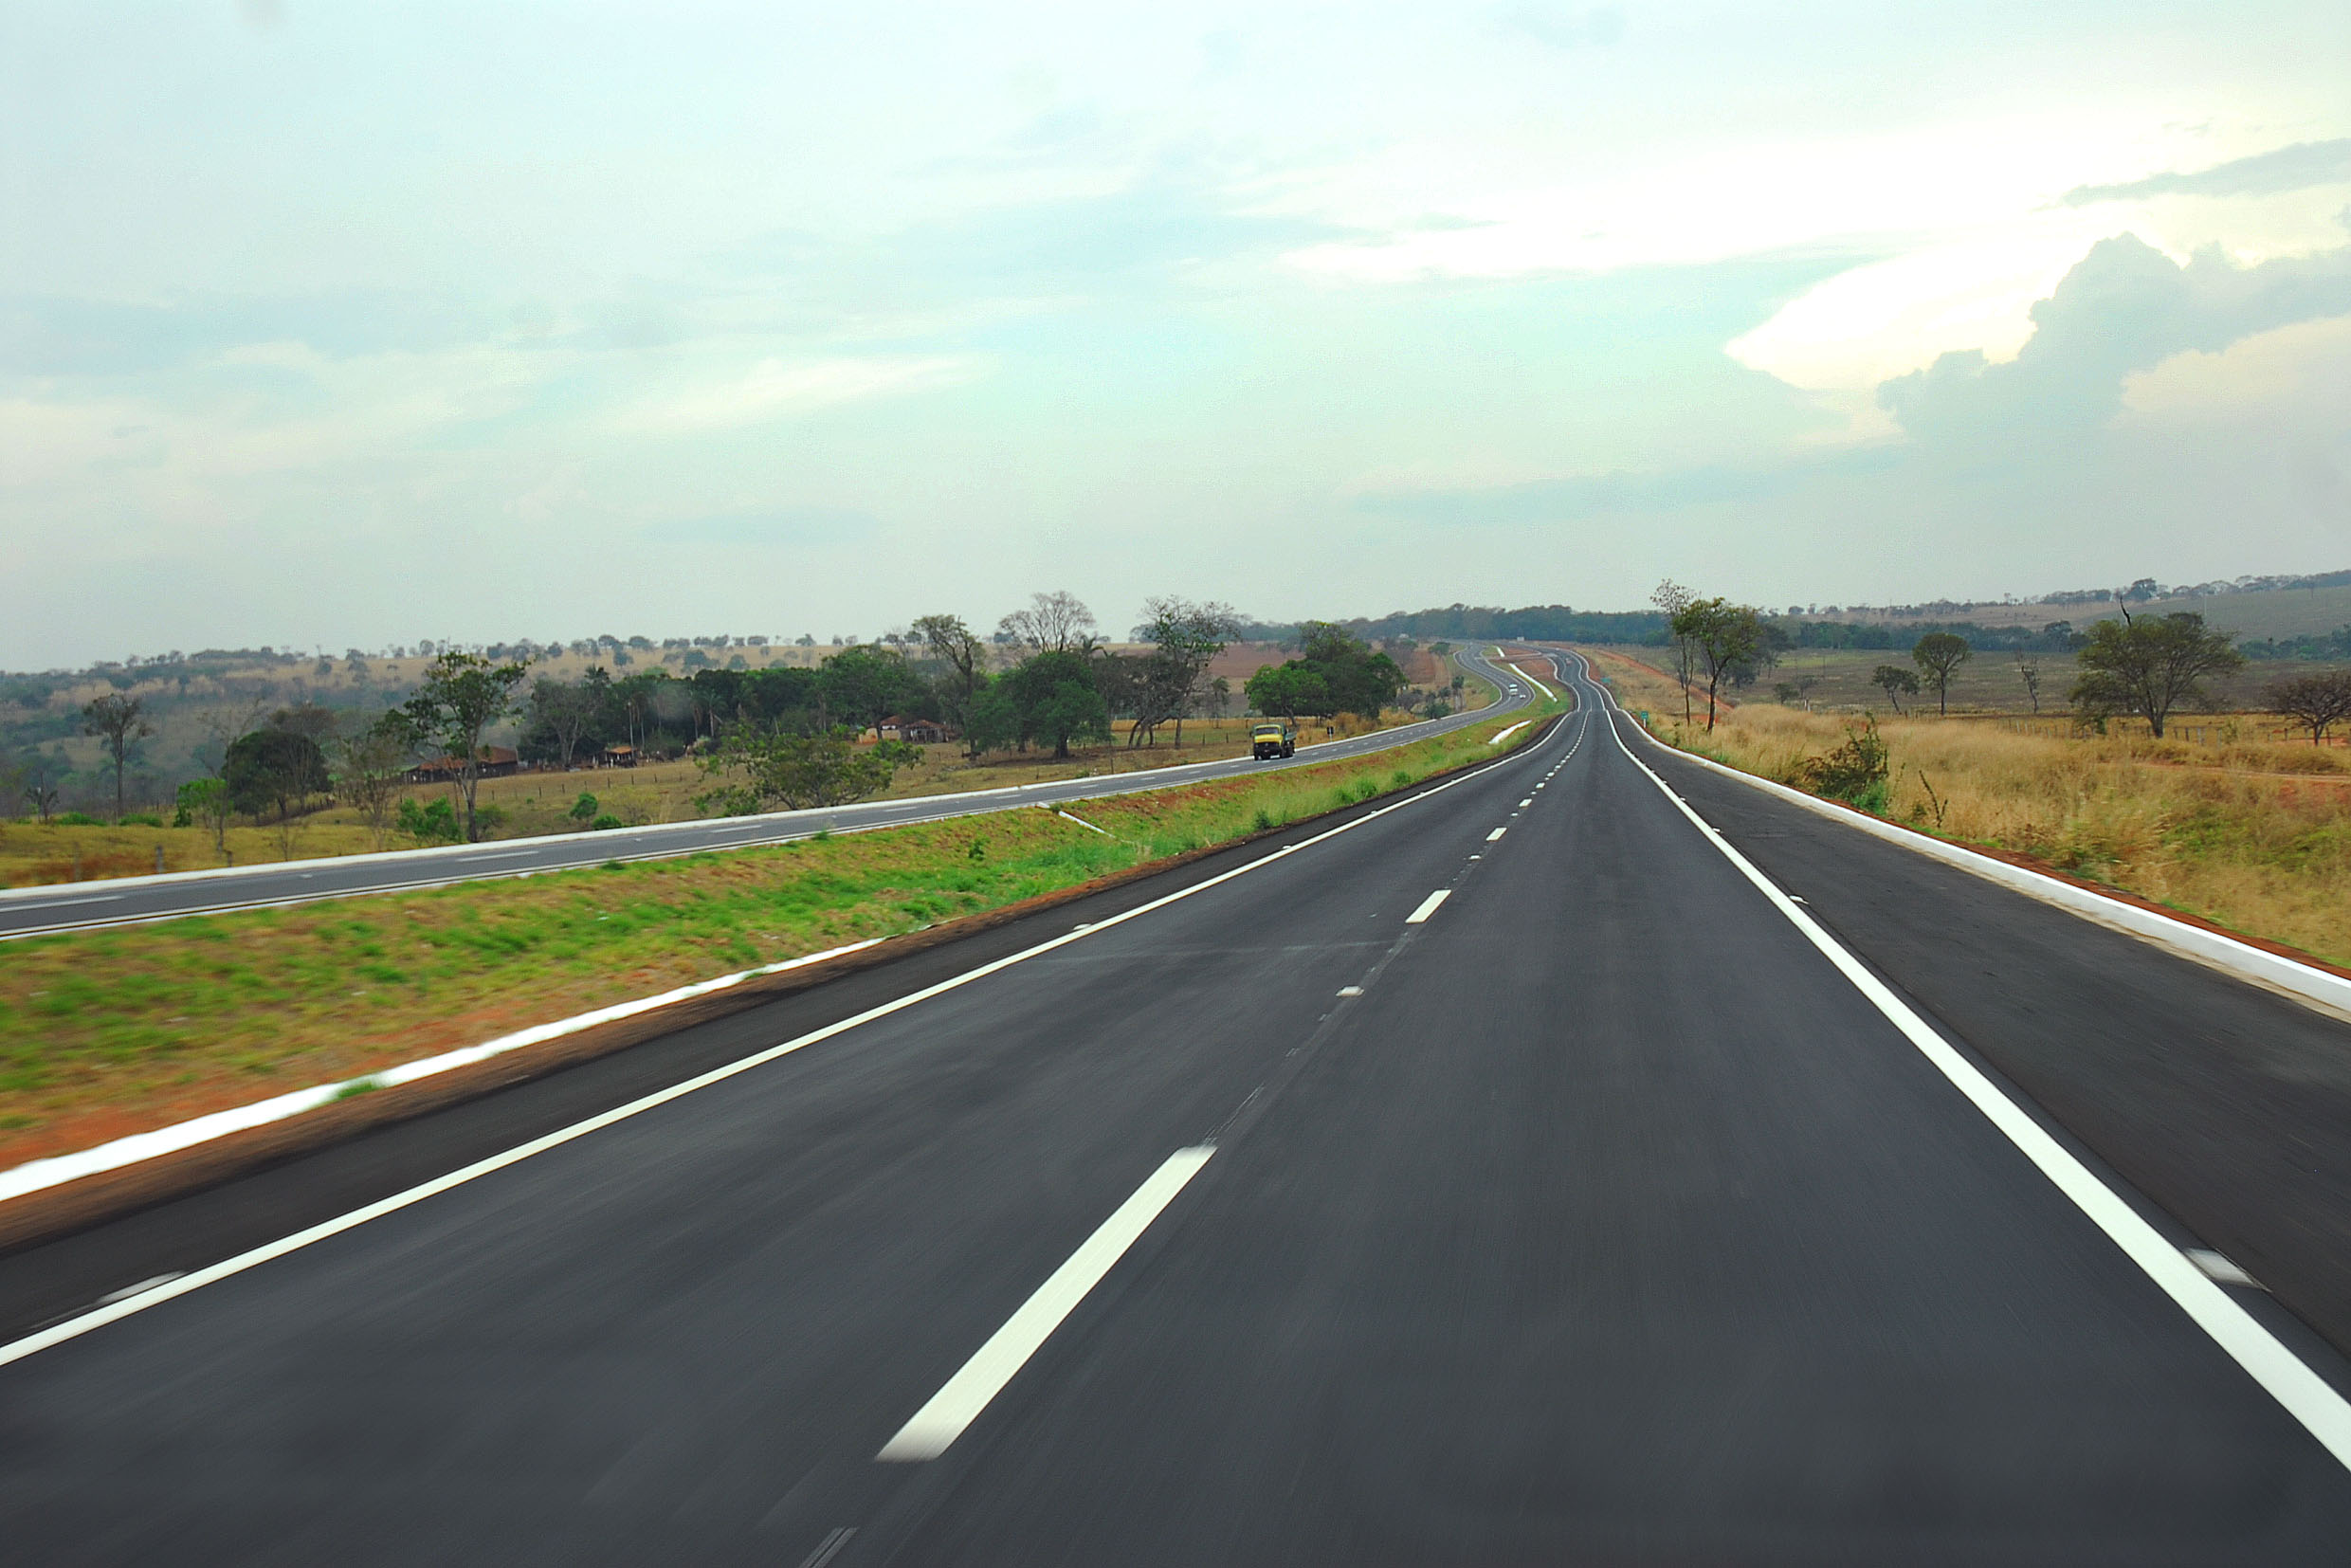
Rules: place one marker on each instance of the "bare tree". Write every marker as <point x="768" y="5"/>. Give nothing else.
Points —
<point x="119" y="721"/>
<point x="1053" y="623"/>
<point x="367" y="772"/>
<point x="964" y="658"/>
<point x="2028" y="672"/>
<point x="1184" y="638"/>
<point x="1672" y="599"/>
<point x="2316" y="702"/>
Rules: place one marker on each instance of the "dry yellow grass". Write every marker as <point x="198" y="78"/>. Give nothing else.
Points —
<point x="2256" y="837"/>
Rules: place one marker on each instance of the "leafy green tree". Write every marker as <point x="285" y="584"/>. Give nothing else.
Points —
<point x="570" y="712"/>
<point x="1727" y="638"/>
<point x="1894" y="680"/>
<point x="764" y="769"/>
<point x="1291" y="691"/>
<point x="1334" y="672"/>
<point x="962" y="658"/>
<point x="461" y="696"/>
<point x="2148" y="666"/>
<point x="1048" y="699"/>
<point x="119" y="721"/>
<point x="273" y="768"/>
<point x="1940" y="654"/>
<point x="863" y="684"/>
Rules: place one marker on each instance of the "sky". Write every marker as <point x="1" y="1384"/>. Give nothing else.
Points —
<point x="336" y="325"/>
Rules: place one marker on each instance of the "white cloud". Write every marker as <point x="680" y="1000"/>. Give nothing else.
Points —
<point x="778" y="388"/>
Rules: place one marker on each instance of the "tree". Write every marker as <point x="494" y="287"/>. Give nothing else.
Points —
<point x="1727" y="638"/>
<point x="276" y="768"/>
<point x="462" y="695"/>
<point x="1940" y="654"/>
<point x="1053" y="623"/>
<point x="119" y="721"/>
<point x="782" y="768"/>
<point x="2149" y="665"/>
<point x="2318" y="701"/>
<point x="367" y="769"/>
<point x="867" y="683"/>
<point x="1672" y="598"/>
<point x="2028" y="672"/>
<point x="1893" y="680"/>
<point x="569" y="710"/>
<point x="963" y="668"/>
<point x="1049" y="697"/>
<point x="205" y="802"/>
<point x="1290" y="690"/>
<point x="1184" y="637"/>
<point x="1334" y="672"/>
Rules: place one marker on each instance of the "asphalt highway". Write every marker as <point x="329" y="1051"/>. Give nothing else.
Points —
<point x="31" y="911"/>
<point x="1278" y="1209"/>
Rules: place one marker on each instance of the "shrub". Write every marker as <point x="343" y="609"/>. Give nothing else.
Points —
<point x="76" y="819"/>
<point x="584" y="808"/>
<point x="1855" y="772"/>
<point x="604" y="823"/>
<point x="142" y="819"/>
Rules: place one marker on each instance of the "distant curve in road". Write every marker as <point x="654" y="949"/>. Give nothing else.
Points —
<point x="131" y="901"/>
<point x="1277" y="1210"/>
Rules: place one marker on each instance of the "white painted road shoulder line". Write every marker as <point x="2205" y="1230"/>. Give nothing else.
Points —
<point x="2304" y="1394"/>
<point x="35" y="1174"/>
<point x="73" y="1328"/>
<point x="958" y="1403"/>
<point x="1428" y="906"/>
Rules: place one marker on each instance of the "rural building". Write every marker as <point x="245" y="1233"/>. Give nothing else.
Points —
<point x="490" y="762"/>
<point x="919" y="731"/>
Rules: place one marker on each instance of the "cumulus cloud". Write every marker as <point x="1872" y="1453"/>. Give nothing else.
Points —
<point x="2123" y="309"/>
<point x="2295" y="168"/>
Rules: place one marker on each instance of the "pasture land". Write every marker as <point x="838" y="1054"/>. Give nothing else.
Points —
<point x="2252" y="833"/>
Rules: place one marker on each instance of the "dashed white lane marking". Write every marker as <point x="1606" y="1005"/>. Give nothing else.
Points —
<point x="1528" y="801"/>
<point x="2323" y="1412"/>
<point x="129" y="1290"/>
<point x="1495" y="834"/>
<point x="1429" y="905"/>
<point x="957" y="1404"/>
<point x="1351" y="990"/>
<point x="829" y="1547"/>
<point x="2219" y="1270"/>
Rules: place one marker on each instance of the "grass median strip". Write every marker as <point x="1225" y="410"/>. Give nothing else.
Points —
<point x="108" y="1033"/>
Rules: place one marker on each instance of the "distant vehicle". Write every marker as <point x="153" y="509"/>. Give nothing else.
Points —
<point x="1275" y="739"/>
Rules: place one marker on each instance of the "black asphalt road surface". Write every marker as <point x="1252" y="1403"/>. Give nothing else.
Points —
<point x="1592" y="1218"/>
<point x="25" y="912"/>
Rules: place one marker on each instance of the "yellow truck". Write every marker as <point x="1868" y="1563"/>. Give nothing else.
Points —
<point x="1272" y="740"/>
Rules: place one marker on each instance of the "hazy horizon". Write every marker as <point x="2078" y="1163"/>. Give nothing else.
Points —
<point x="353" y="326"/>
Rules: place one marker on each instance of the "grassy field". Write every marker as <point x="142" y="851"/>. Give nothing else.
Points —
<point x="2250" y="833"/>
<point x="1989" y="683"/>
<point x="104" y="1034"/>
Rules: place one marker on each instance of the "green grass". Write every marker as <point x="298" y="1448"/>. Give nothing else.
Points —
<point x="104" y="1033"/>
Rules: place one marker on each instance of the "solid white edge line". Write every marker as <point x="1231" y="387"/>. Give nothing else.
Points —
<point x="1428" y="906"/>
<point x="36" y="1175"/>
<point x="2304" y="1394"/>
<point x="73" y="1328"/>
<point x="959" y="1400"/>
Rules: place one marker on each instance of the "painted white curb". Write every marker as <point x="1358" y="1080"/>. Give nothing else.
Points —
<point x="35" y="1174"/>
<point x="2313" y="988"/>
